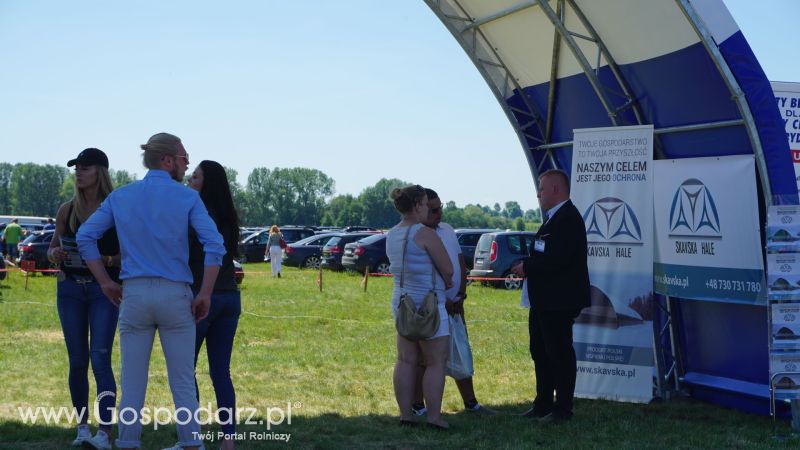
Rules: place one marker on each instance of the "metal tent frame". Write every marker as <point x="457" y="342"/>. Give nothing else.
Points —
<point x="535" y="129"/>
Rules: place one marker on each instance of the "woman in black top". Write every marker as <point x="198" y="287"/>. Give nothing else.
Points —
<point x="88" y="318"/>
<point x="219" y="328"/>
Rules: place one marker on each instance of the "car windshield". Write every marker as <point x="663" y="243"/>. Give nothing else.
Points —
<point x="372" y="239"/>
<point x="334" y="240"/>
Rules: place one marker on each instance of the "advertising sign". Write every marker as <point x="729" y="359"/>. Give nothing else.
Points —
<point x="707" y="228"/>
<point x="612" y="187"/>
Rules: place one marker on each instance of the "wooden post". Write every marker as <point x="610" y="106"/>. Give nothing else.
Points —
<point x="365" y="281"/>
<point x="27" y="267"/>
<point x="319" y="278"/>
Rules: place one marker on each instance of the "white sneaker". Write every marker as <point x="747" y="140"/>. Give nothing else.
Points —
<point x="100" y="441"/>
<point x="84" y="433"/>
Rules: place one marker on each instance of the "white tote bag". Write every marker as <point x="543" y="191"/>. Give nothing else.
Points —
<point x="459" y="363"/>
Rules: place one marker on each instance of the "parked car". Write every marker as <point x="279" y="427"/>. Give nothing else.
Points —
<point x="254" y="247"/>
<point x="498" y="252"/>
<point x="354" y="228"/>
<point x="468" y="240"/>
<point x="306" y="252"/>
<point x="369" y="252"/>
<point x="238" y="272"/>
<point x="34" y="248"/>
<point x="334" y="249"/>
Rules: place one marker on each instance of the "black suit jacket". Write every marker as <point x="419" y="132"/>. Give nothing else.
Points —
<point x="558" y="278"/>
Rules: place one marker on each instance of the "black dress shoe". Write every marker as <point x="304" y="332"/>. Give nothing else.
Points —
<point x="554" y="419"/>
<point x="534" y="413"/>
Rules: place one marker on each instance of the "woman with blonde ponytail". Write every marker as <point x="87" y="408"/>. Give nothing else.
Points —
<point x="88" y="318"/>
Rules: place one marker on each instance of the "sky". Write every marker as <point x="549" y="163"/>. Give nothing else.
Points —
<point x="359" y="89"/>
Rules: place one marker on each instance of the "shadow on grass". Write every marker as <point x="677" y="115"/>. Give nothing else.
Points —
<point x="682" y="423"/>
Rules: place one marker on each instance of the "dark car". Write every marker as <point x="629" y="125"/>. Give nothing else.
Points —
<point x="468" y="240"/>
<point x="306" y="252"/>
<point x="238" y="272"/>
<point x="34" y="248"/>
<point x="254" y="247"/>
<point x="334" y="249"/>
<point x="499" y="251"/>
<point x="354" y="228"/>
<point x="369" y="252"/>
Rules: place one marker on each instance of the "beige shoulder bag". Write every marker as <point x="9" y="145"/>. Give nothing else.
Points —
<point x="412" y="323"/>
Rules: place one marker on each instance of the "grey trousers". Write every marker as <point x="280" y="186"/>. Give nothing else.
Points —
<point x="150" y="304"/>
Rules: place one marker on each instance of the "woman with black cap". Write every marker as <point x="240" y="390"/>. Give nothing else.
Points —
<point x="88" y="318"/>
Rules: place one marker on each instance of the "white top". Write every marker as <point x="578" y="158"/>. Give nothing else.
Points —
<point x="450" y="241"/>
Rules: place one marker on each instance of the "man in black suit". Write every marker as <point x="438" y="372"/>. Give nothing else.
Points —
<point x="558" y="288"/>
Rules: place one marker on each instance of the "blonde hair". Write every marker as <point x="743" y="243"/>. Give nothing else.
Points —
<point x="274" y="229"/>
<point x="157" y="146"/>
<point x="104" y="187"/>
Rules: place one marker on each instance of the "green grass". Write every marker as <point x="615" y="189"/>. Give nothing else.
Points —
<point x="331" y="355"/>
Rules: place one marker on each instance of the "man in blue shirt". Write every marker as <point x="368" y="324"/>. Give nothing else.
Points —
<point x="152" y="218"/>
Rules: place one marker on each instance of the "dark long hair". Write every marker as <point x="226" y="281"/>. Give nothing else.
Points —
<point x="216" y="195"/>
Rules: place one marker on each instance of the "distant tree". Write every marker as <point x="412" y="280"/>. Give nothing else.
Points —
<point x="312" y="187"/>
<point x="239" y="195"/>
<point x="35" y="189"/>
<point x="476" y="217"/>
<point x="343" y="210"/>
<point x="519" y="224"/>
<point x="67" y="190"/>
<point x="497" y="209"/>
<point x="512" y="210"/>
<point x="6" y="170"/>
<point x="121" y="177"/>
<point x="259" y="197"/>
<point x="533" y="215"/>
<point x="378" y="208"/>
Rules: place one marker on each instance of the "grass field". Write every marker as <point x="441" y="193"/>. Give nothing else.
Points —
<point x="330" y="356"/>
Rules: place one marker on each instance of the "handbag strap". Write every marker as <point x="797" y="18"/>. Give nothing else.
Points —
<point x="405" y="246"/>
<point x="403" y="269"/>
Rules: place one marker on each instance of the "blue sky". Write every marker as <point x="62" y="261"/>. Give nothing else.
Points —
<point x="357" y="89"/>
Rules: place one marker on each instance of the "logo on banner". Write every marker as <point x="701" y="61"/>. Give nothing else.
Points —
<point x="693" y="213"/>
<point x="611" y="221"/>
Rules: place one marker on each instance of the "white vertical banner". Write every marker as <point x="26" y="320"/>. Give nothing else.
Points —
<point x="612" y="187"/>
<point x="787" y="95"/>
<point x="707" y="230"/>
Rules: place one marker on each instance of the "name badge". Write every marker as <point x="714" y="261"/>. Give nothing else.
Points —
<point x="538" y="245"/>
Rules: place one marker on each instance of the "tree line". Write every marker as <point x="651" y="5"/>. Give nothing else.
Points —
<point x="297" y="195"/>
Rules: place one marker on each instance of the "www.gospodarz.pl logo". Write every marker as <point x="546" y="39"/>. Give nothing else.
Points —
<point x="612" y="220"/>
<point x="693" y="212"/>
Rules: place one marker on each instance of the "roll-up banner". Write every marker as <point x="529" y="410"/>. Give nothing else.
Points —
<point x="787" y="95"/>
<point x="707" y="230"/>
<point x="612" y="187"/>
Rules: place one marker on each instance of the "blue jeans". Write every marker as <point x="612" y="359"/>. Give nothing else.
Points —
<point x="89" y="321"/>
<point x="218" y="330"/>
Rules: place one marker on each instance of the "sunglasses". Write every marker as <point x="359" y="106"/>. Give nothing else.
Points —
<point x="185" y="158"/>
<point x="436" y="210"/>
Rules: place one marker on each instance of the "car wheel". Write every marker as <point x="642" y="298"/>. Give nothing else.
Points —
<point x="312" y="262"/>
<point x="383" y="267"/>
<point x="512" y="282"/>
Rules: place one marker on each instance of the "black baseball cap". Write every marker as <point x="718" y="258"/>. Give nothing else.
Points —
<point x="90" y="157"/>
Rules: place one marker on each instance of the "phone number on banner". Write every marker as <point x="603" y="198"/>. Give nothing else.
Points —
<point x="718" y="284"/>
